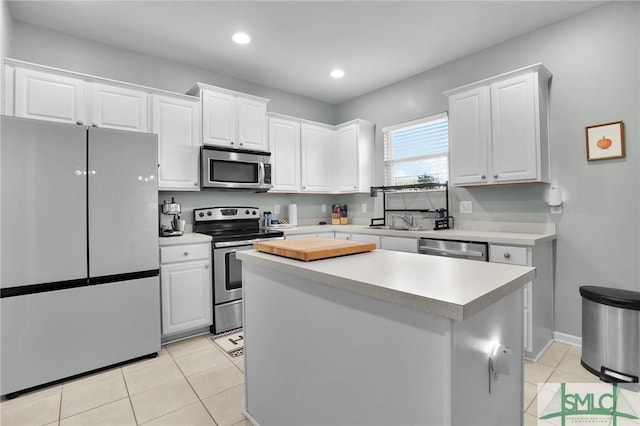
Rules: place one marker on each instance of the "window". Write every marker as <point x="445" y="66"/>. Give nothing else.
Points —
<point x="417" y="151"/>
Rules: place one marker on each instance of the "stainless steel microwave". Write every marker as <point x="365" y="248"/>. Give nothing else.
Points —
<point x="235" y="169"/>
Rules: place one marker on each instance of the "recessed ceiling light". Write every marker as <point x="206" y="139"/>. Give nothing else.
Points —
<point x="337" y="73"/>
<point x="241" y="38"/>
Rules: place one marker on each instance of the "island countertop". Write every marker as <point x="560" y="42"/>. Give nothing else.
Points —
<point x="452" y="288"/>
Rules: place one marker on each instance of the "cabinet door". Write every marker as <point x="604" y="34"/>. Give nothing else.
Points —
<point x="116" y="107"/>
<point x="52" y="97"/>
<point x="518" y="256"/>
<point x="347" y="168"/>
<point x="399" y="244"/>
<point x="284" y="140"/>
<point x="315" y="146"/>
<point x="186" y="296"/>
<point x="219" y="118"/>
<point x="469" y="137"/>
<point x="514" y="134"/>
<point x="252" y="122"/>
<point x="175" y="121"/>
<point x="366" y="238"/>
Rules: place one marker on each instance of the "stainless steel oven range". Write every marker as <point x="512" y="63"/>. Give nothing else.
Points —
<point x="233" y="229"/>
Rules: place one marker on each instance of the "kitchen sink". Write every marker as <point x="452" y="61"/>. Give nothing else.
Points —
<point x="397" y="228"/>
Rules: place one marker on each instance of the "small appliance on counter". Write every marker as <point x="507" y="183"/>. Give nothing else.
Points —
<point x="170" y="223"/>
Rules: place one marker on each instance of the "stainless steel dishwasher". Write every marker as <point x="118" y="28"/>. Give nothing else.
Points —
<point x="457" y="249"/>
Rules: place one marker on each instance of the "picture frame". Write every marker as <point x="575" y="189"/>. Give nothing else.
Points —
<point x="605" y="141"/>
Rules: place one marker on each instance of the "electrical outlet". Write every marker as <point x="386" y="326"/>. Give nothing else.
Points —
<point x="364" y="207"/>
<point x="324" y="208"/>
<point x="466" y="207"/>
<point x="276" y="209"/>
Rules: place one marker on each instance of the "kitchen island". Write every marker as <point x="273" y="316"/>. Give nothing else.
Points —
<point x="381" y="338"/>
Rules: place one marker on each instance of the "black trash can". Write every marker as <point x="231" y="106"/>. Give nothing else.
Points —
<point x="611" y="333"/>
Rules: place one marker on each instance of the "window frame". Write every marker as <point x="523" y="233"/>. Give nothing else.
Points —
<point x="407" y="125"/>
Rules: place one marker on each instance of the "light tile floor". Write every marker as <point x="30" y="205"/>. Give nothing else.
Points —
<point x="194" y="382"/>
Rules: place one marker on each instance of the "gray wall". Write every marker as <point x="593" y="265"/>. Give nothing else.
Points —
<point x="6" y="26"/>
<point x="56" y="49"/>
<point x="595" y="61"/>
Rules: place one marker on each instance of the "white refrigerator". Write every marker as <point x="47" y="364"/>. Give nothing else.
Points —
<point x="79" y="270"/>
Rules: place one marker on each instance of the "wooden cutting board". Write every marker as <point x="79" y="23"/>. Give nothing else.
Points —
<point x="313" y="248"/>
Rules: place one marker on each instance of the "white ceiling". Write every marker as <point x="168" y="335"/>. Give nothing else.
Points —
<point x="295" y="44"/>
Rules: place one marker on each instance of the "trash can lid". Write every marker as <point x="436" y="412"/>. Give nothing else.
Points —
<point x="617" y="297"/>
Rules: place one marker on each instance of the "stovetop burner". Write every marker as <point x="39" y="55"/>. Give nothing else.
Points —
<point x="231" y="224"/>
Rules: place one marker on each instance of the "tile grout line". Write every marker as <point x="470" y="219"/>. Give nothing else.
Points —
<point x="192" y="388"/>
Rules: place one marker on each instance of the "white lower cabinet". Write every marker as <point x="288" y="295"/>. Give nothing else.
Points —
<point x="538" y="294"/>
<point x="409" y="245"/>
<point x="185" y="279"/>
<point x="367" y="238"/>
<point x="314" y="234"/>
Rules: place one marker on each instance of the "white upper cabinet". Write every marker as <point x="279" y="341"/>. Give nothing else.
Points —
<point x="218" y="118"/>
<point x="284" y="140"/>
<point x="469" y="128"/>
<point x="498" y="129"/>
<point x="232" y="119"/>
<point x="353" y="157"/>
<point x="118" y="107"/>
<point x="252" y="124"/>
<point x="319" y="158"/>
<point x="176" y="122"/>
<point x="45" y="96"/>
<point x="316" y="156"/>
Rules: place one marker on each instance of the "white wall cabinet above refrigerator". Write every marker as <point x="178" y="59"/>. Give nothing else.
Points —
<point x="312" y="157"/>
<point x="51" y="94"/>
<point x="119" y="107"/>
<point x="498" y="129"/>
<point x="232" y="119"/>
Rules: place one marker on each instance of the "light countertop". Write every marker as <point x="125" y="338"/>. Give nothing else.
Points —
<point x="495" y="237"/>
<point x="453" y="288"/>
<point x="186" y="238"/>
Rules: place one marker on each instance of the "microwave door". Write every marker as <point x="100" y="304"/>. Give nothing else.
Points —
<point x="234" y="174"/>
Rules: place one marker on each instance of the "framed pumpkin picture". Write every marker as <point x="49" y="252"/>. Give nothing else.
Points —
<point x="605" y="141"/>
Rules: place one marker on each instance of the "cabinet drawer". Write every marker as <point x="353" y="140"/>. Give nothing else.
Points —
<point x="508" y="254"/>
<point x="184" y="253"/>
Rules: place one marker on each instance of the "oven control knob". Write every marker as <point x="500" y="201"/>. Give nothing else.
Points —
<point x="246" y="212"/>
<point x="209" y="213"/>
<point x="254" y="213"/>
<point x="201" y="214"/>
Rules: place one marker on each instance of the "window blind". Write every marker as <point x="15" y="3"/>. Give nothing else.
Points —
<point x="417" y="151"/>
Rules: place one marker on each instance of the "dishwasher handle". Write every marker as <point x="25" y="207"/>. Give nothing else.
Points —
<point x="446" y="252"/>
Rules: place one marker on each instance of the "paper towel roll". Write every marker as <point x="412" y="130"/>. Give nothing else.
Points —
<point x="554" y="197"/>
<point x="293" y="214"/>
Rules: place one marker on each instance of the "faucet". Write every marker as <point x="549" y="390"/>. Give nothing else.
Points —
<point x="406" y="218"/>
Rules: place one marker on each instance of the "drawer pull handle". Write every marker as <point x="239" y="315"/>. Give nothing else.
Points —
<point x="507" y="255"/>
<point x="186" y="253"/>
<point x="206" y="266"/>
<point x="483" y="177"/>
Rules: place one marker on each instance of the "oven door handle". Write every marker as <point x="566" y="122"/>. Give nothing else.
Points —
<point x="226" y="244"/>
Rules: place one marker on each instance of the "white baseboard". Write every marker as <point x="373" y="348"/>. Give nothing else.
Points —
<point x="567" y="338"/>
